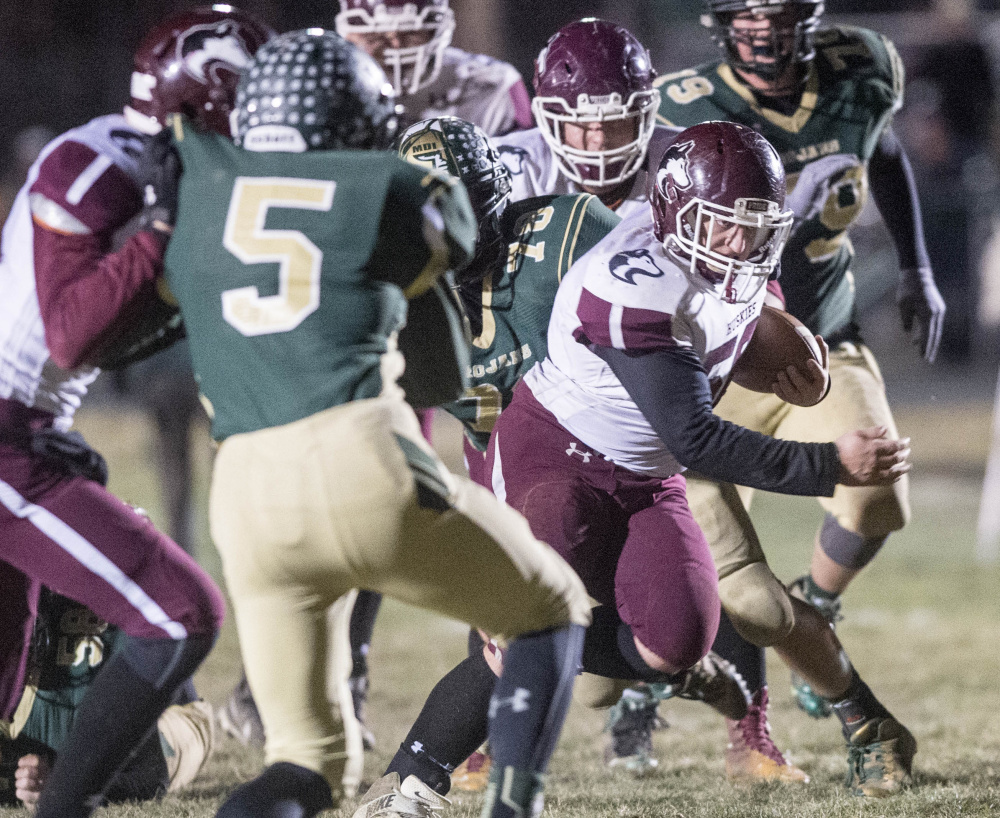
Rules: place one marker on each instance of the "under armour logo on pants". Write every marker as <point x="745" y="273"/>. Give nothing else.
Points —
<point x="572" y="450"/>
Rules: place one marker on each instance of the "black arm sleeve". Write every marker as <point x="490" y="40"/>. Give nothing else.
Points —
<point x="672" y="391"/>
<point x="895" y="192"/>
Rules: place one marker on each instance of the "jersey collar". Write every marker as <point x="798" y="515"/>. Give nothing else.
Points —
<point x="792" y="123"/>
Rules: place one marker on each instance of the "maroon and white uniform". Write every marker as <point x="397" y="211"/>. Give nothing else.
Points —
<point x="577" y="457"/>
<point x="61" y="289"/>
<point x="534" y="170"/>
<point x="479" y="89"/>
<point x="627" y="294"/>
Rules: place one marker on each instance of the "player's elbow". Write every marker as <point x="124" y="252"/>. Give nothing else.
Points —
<point x="66" y="349"/>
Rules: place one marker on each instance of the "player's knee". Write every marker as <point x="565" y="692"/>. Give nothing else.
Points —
<point x="878" y="515"/>
<point x="598" y="692"/>
<point x="757" y="604"/>
<point x="675" y="638"/>
<point x="564" y="514"/>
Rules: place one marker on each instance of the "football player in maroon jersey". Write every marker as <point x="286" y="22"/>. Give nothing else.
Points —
<point x="68" y="303"/>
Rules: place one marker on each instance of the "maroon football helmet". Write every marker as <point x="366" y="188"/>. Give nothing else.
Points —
<point x="410" y="67"/>
<point x="190" y="64"/>
<point x="718" y="207"/>
<point x="595" y="71"/>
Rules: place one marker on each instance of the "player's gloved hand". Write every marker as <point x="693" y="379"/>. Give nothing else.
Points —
<point x="29" y="778"/>
<point x="809" y="387"/>
<point x="922" y="309"/>
<point x="160" y="174"/>
<point x="869" y="458"/>
<point x="812" y="189"/>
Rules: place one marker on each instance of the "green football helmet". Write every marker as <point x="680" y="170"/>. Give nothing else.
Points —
<point x="313" y="90"/>
<point x="462" y="150"/>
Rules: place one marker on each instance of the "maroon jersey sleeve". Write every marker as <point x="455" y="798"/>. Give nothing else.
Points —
<point x="82" y="285"/>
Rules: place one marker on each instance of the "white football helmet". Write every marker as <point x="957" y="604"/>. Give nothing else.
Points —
<point x="409" y="67"/>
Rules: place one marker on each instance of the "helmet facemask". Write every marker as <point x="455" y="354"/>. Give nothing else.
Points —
<point x="759" y="224"/>
<point x="410" y="67"/>
<point x="598" y="168"/>
<point x="787" y="41"/>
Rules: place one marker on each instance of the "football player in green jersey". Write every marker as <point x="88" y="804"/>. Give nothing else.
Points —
<point x="69" y="648"/>
<point x="824" y="97"/>
<point x="296" y="255"/>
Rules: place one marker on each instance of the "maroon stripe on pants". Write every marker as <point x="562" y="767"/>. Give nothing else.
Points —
<point x="631" y="538"/>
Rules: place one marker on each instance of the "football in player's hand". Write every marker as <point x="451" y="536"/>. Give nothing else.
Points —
<point x="779" y="341"/>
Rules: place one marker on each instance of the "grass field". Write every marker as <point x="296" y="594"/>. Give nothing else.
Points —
<point x="922" y="626"/>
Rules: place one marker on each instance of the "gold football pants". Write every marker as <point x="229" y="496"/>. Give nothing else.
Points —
<point x="753" y="597"/>
<point x="353" y="497"/>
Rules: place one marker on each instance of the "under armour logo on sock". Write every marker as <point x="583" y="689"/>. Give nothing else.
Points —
<point x="518" y="702"/>
<point x="572" y="450"/>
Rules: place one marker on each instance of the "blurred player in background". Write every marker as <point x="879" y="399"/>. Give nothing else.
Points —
<point x="595" y="115"/>
<point x="411" y="40"/>
<point x="319" y="433"/>
<point x="78" y="278"/>
<point x="825" y="99"/>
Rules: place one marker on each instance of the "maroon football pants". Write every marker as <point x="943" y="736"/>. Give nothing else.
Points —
<point x="71" y="535"/>
<point x="631" y="538"/>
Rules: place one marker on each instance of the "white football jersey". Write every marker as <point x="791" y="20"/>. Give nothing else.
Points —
<point x="534" y="170"/>
<point x="75" y="200"/>
<point x="625" y="293"/>
<point x="482" y="90"/>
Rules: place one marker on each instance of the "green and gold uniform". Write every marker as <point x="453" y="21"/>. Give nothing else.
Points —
<point x="546" y="235"/>
<point x="852" y="89"/>
<point x="70" y="646"/>
<point x="293" y="273"/>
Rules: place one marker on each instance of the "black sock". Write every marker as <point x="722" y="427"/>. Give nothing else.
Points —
<point x="366" y="608"/>
<point x="747" y="657"/>
<point x="857" y="707"/>
<point x="609" y="649"/>
<point x="131" y="691"/>
<point x="283" y="790"/>
<point x="476" y="643"/>
<point x="451" y="725"/>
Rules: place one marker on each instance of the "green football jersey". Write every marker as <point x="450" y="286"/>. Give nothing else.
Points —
<point x="546" y="235"/>
<point x="853" y="87"/>
<point x="71" y="646"/>
<point x="293" y="271"/>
